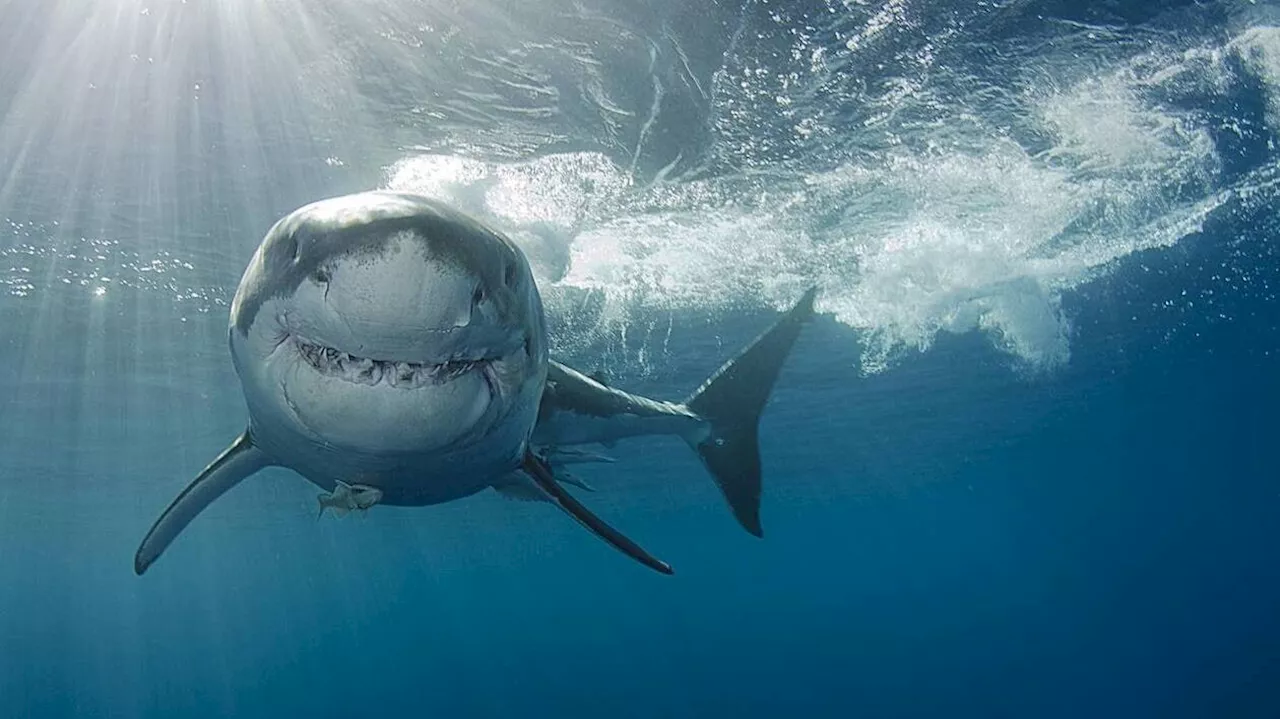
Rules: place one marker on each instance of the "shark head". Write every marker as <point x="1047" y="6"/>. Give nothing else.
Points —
<point x="388" y="323"/>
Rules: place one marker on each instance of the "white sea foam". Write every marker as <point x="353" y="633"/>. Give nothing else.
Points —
<point x="984" y="238"/>
<point x="1259" y="48"/>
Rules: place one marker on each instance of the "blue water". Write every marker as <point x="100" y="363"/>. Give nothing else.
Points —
<point x="1022" y="464"/>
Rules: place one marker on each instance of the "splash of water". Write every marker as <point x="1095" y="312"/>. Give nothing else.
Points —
<point x="981" y="235"/>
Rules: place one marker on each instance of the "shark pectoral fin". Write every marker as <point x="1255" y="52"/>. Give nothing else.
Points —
<point x="235" y="463"/>
<point x="546" y="481"/>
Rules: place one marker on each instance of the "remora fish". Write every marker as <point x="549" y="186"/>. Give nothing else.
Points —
<point x="348" y="498"/>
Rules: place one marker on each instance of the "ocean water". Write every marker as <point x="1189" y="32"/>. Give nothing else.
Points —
<point x="1021" y="465"/>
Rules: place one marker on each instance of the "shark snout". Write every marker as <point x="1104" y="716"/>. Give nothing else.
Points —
<point x="402" y="296"/>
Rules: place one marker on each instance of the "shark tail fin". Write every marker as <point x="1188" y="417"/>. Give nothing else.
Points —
<point x="731" y="400"/>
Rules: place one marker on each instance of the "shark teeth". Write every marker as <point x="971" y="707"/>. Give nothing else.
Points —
<point x="363" y="370"/>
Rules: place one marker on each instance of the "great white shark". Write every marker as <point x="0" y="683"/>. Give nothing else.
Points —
<point x="391" y="346"/>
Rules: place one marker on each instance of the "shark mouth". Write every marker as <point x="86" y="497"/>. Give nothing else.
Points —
<point x="401" y="375"/>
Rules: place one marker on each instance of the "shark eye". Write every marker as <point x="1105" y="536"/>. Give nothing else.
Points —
<point x="321" y="276"/>
<point x="284" y="250"/>
<point x="478" y="296"/>
<point x="295" y="241"/>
